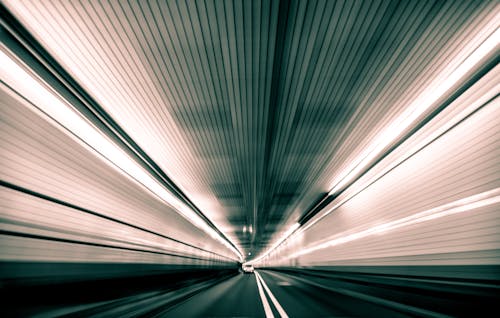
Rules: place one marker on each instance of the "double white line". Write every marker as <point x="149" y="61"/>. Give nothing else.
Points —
<point x="267" y="308"/>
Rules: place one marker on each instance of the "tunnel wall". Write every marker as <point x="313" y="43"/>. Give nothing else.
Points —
<point x="66" y="214"/>
<point x="433" y="201"/>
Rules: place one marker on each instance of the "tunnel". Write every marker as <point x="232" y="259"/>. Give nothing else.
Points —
<point x="249" y="158"/>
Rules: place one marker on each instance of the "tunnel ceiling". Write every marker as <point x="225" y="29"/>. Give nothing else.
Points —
<point x="252" y="108"/>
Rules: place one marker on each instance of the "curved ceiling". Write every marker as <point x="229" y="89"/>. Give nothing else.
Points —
<point x="254" y="108"/>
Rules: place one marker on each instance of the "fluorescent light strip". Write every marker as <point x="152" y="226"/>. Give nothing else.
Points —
<point x="418" y="107"/>
<point x="423" y="103"/>
<point x="436" y="134"/>
<point x="456" y="207"/>
<point x="449" y="124"/>
<point x="19" y="79"/>
<point x="436" y="90"/>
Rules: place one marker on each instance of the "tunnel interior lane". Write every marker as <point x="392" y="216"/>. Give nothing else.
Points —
<point x="284" y="296"/>
<point x="333" y="294"/>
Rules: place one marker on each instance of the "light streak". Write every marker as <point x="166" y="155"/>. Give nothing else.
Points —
<point x="15" y="76"/>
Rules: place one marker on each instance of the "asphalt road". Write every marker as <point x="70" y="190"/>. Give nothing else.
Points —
<point x="278" y="295"/>
<point x="235" y="297"/>
<point x="270" y="293"/>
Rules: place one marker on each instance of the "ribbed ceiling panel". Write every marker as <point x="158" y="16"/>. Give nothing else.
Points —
<point x="253" y="107"/>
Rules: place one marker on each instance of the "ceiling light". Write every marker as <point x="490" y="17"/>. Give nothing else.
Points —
<point x="415" y="110"/>
<point x="418" y="107"/>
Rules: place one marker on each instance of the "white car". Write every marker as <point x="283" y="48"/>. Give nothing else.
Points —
<point x="247" y="268"/>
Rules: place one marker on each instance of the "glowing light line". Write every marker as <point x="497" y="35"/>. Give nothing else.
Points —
<point x="456" y="207"/>
<point x="54" y="107"/>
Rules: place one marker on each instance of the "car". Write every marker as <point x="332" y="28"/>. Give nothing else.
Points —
<point x="247" y="268"/>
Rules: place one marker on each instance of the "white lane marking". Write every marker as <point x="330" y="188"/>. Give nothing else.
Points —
<point x="273" y="299"/>
<point x="284" y="284"/>
<point x="265" y="303"/>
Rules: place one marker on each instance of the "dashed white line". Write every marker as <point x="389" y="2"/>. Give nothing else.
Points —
<point x="265" y="303"/>
<point x="276" y="304"/>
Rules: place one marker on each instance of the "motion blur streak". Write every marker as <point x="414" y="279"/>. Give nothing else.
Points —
<point x="422" y="103"/>
<point x="463" y="205"/>
<point x="264" y="158"/>
<point x="37" y="95"/>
